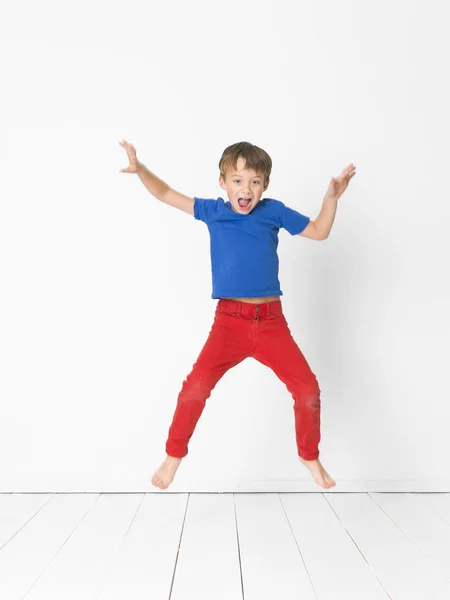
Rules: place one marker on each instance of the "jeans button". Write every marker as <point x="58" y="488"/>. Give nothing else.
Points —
<point x="258" y="308"/>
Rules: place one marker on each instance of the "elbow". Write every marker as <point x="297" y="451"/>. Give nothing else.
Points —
<point x="321" y="235"/>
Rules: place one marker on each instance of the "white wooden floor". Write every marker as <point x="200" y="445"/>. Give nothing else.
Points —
<point x="162" y="546"/>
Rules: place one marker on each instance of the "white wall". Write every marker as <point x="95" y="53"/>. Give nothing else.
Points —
<point x="106" y="292"/>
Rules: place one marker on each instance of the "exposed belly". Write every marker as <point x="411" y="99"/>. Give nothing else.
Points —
<point x="256" y="300"/>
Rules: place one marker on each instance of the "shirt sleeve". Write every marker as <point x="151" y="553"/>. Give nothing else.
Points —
<point x="205" y="209"/>
<point x="292" y="220"/>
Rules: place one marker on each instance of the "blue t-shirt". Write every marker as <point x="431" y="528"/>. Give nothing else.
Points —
<point x="244" y="259"/>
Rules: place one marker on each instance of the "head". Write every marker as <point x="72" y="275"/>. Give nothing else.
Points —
<point x="244" y="173"/>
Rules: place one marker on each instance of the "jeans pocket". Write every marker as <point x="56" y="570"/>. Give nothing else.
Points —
<point x="224" y="315"/>
<point x="228" y="312"/>
<point x="276" y="317"/>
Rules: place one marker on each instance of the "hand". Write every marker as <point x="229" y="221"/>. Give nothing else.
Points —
<point x="134" y="165"/>
<point x="339" y="184"/>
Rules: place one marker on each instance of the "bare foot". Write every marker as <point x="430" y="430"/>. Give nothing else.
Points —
<point x="163" y="477"/>
<point x="319" y="474"/>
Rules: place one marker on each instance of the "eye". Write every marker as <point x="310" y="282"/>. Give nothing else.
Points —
<point x="237" y="181"/>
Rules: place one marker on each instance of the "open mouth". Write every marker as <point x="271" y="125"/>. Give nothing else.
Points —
<point x="244" y="202"/>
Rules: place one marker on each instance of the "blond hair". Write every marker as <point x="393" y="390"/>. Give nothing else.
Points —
<point x="255" y="158"/>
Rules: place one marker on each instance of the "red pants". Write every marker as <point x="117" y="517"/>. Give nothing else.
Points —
<point x="240" y="330"/>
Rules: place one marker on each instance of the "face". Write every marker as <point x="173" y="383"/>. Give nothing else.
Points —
<point x="243" y="183"/>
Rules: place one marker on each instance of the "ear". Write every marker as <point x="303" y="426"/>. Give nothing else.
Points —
<point x="266" y="185"/>
<point x="222" y="183"/>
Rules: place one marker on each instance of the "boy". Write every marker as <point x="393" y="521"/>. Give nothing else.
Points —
<point x="249" y="319"/>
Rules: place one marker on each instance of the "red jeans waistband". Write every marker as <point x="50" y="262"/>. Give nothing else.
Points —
<point x="248" y="309"/>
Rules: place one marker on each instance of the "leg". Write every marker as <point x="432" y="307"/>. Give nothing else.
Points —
<point x="276" y="348"/>
<point x="226" y="346"/>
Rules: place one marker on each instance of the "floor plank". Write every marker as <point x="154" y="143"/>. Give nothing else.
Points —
<point x="438" y="503"/>
<point x="208" y="562"/>
<point x="145" y="564"/>
<point x="336" y="566"/>
<point x="16" y="510"/>
<point x="403" y="569"/>
<point x="423" y="527"/>
<point x="272" y="565"/>
<point x="28" y="553"/>
<point x="79" y="567"/>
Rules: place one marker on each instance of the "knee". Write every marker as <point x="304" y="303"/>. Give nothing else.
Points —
<point x="312" y="395"/>
<point x="195" y="390"/>
<point x="308" y="394"/>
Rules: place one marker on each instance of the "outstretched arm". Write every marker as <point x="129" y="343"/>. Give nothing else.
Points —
<point x="156" y="186"/>
<point x="321" y="227"/>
